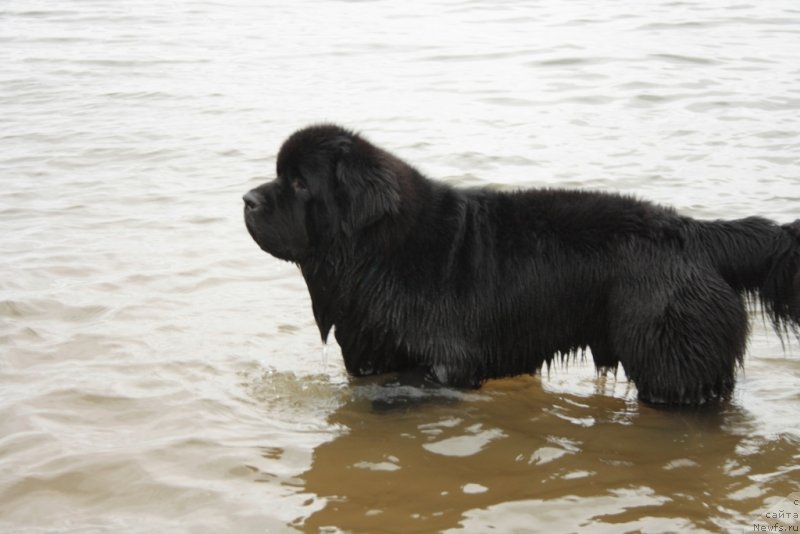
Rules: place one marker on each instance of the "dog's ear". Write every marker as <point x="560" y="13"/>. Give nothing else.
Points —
<point x="367" y="178"/>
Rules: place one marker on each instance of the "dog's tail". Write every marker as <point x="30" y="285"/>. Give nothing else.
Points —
<point x="760" y="259"/>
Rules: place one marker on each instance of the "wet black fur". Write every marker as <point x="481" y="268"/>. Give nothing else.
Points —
<point x="472" y="284"/>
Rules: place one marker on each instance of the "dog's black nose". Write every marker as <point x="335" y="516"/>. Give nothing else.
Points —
<point x="251" y="200"/>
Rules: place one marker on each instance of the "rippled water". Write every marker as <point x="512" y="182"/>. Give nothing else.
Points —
<point x="159" y="373"/>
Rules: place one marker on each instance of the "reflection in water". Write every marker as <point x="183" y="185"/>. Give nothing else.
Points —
<point x="505" y="458"/>
<point x="159" y="373"/>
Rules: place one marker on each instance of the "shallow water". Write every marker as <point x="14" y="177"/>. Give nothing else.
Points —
<point x="159" y="373"/>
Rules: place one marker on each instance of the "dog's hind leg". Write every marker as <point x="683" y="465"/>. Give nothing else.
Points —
<point x="679" y="338"/>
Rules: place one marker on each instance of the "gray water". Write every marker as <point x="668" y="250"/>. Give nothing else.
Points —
<point x="159" y="373"/>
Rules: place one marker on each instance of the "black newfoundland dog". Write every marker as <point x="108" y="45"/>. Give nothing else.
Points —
<point x="471" y="284"/>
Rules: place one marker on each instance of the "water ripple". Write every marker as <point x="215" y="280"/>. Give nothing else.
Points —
<point x="160" y="373"/>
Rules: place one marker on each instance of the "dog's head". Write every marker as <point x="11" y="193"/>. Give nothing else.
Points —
<point x="330" y="185"/>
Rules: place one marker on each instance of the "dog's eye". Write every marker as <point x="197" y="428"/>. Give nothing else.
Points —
<point x="298" y="185"/>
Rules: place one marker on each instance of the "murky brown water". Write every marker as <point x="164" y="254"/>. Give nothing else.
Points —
<point x="158" y="373"/>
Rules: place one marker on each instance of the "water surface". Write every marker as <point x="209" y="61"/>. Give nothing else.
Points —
<point x="158" y="372"/>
